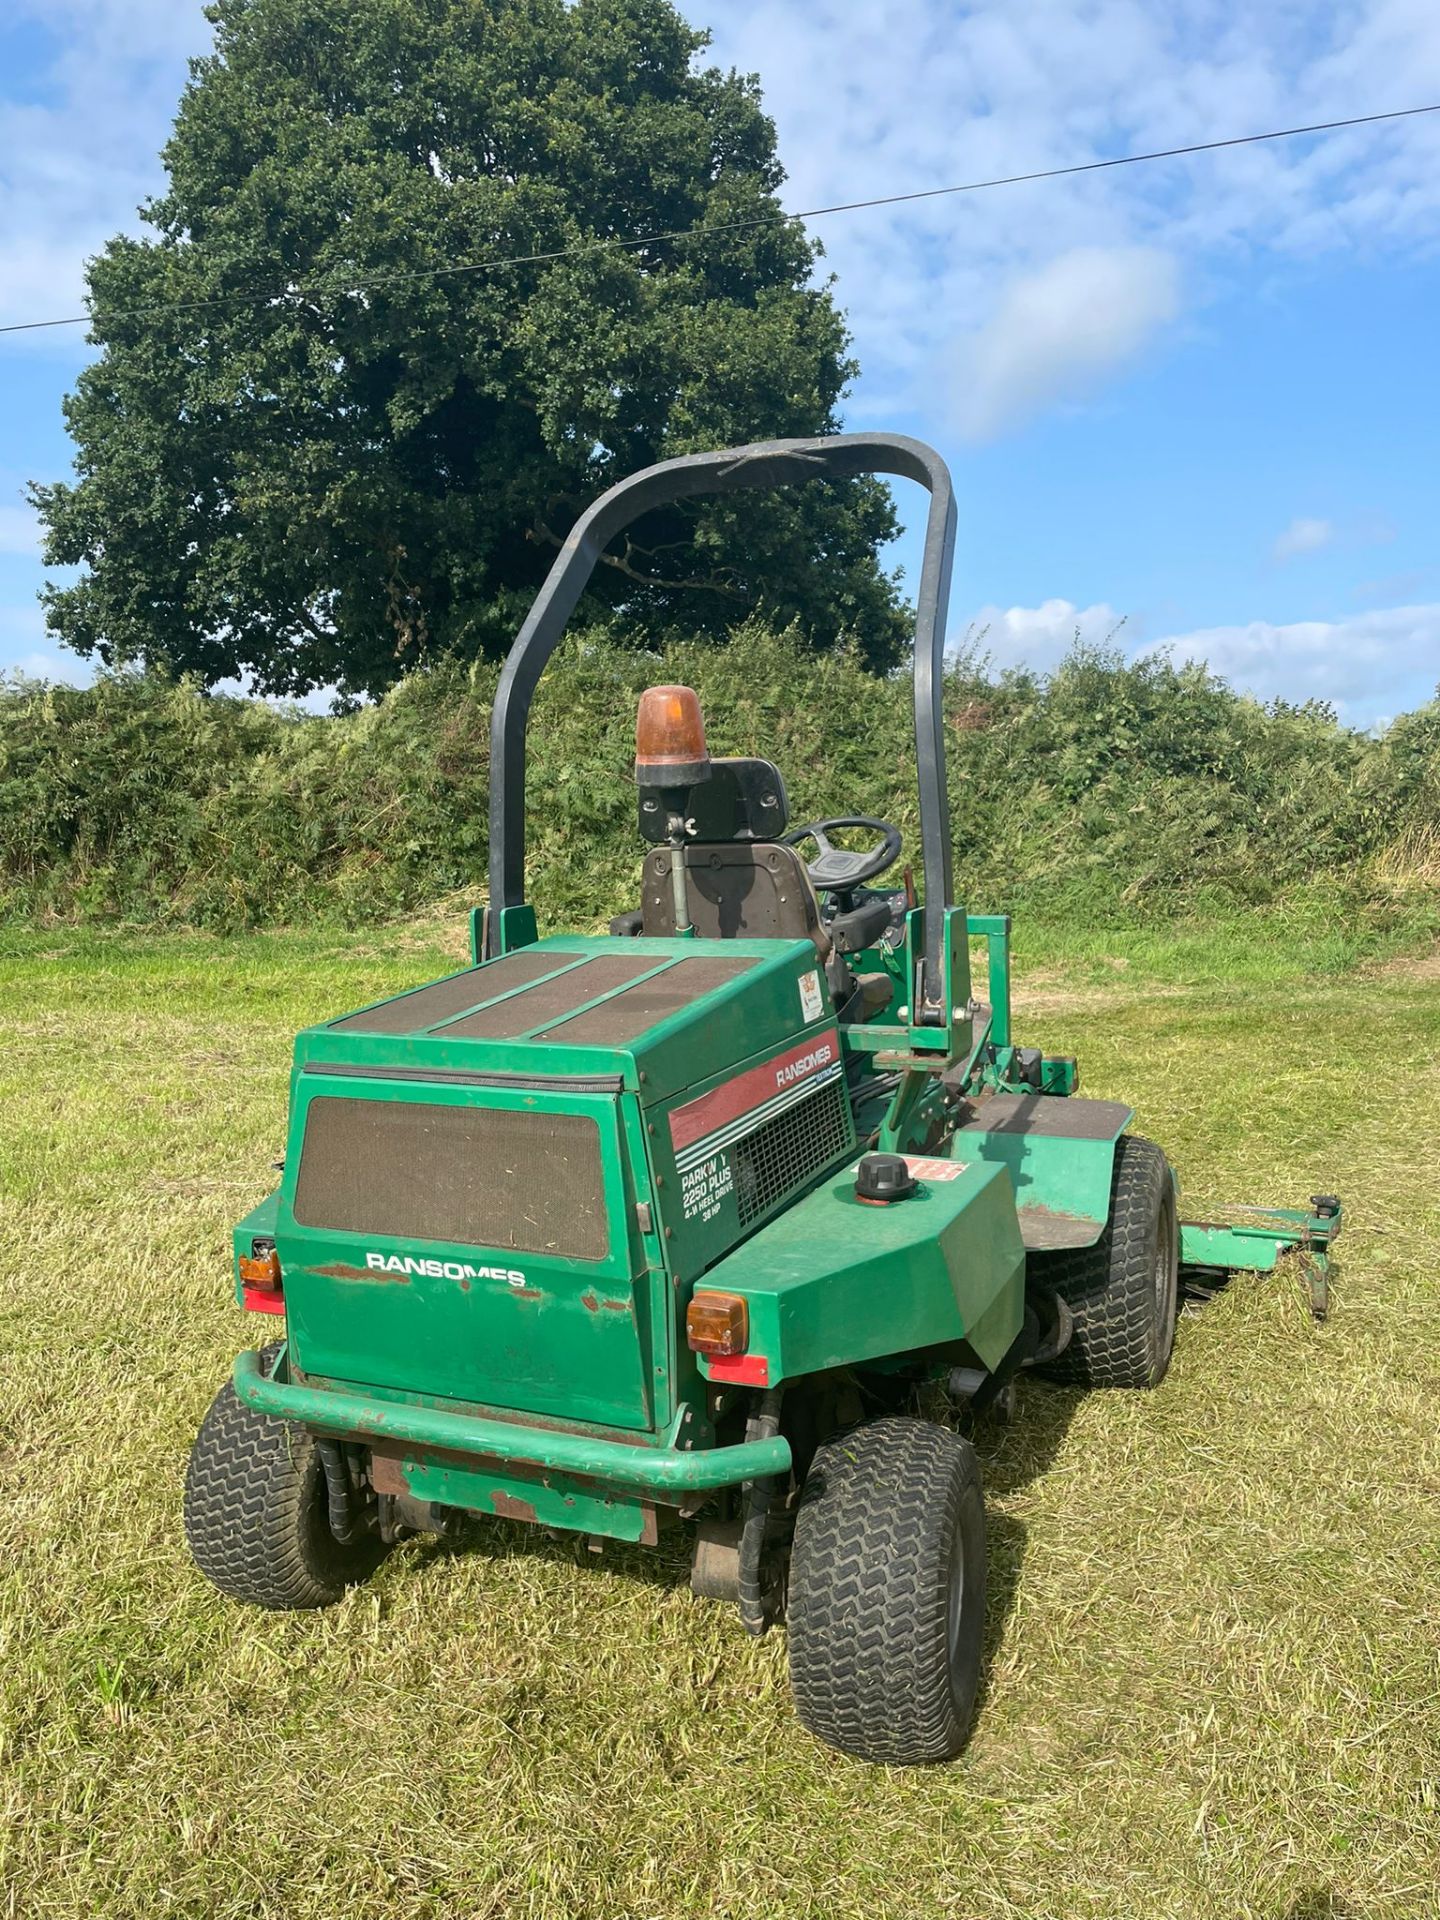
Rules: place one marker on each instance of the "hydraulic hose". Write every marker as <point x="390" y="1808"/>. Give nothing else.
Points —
<point x="339" y="1493"/>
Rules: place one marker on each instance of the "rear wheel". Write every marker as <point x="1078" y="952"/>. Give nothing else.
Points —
<point x="1124" y="1291"/>
<point x="887" y="1592"/>
<point x="256" y="1517"/>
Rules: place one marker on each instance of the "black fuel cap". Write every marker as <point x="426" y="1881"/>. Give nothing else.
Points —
<point x="883" y="1177"/>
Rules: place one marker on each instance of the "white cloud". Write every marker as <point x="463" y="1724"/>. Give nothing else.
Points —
<point x="1384" y="660"/>
<point x="1303" y="536"/>
<point x="79" y="150"/>
<point x="922" y="93"/>
<point x="19" y="531"/>
<point x="24" y="648"/>
<point x="1038" y="637"/>
<point x="1371" y="665"/>
<point x="1056" y="332"/>
<point x="49" y="666"/>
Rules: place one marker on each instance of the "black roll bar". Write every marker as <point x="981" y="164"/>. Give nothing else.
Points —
<point x="768" y="463"/>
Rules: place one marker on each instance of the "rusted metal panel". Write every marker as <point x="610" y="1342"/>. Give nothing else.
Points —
<point x="386" y="1475"/>
<point x="1046" y="1230"/>
<point x="512" y="1491"/>
<point x="508" y="1506"/>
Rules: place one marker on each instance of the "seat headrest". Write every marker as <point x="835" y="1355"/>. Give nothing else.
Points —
<point x="742" y="800"/>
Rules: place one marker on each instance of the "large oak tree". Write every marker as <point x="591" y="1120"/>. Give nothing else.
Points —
<point x="319" y="446"/>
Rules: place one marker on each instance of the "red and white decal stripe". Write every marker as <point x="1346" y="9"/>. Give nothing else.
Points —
<point x="728" y="1112"/>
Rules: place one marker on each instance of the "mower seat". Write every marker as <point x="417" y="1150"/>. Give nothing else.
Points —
<point x="738" y="890"/>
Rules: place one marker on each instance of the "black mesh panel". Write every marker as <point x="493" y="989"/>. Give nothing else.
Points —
<point x="645" y="1005"/>
<point x="413" y="1012"/>
<point x="469" y="1176"/>
<point x="553" y="998"/>
<point x="789" y="1150"/>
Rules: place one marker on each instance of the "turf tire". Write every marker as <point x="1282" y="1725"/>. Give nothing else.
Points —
<point x="255" y="1512"/>
<point x="1124" y="1291"/>
<point x="886" y="1609"/>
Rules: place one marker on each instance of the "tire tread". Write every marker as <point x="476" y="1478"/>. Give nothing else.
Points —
<point x="253" y="1519"/>
<point x="867" y="1607"/>
<point x="1109" y="1287"/>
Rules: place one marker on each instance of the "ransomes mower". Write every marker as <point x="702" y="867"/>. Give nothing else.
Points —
<point x="682" y="1224"/>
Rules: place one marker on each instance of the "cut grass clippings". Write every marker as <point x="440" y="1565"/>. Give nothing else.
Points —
<point x="1212" y="1673"/>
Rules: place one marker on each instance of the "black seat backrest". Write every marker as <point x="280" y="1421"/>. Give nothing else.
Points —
<point x="737" y="890"/>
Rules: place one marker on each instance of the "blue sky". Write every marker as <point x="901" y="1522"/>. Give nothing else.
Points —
<point x="1203" y="396"/>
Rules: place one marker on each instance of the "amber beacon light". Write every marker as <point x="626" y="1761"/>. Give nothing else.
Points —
<point x="670" y="748"/>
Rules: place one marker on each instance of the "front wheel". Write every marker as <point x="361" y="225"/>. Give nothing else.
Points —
<point x="887" y="1592"/>
<point x="256" y="1517"/>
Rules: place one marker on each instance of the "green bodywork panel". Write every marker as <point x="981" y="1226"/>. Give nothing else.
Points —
<point x="733" y="1019"/>
<point x="1060" y="1155"/>
<point x="627" y="1039"/>
<point x="571" y="1337"/>
<point x="548" y="1499"/>
<point x="835" y="1281"/>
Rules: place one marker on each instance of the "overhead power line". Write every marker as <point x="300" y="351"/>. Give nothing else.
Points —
<point x="340" y="287"/>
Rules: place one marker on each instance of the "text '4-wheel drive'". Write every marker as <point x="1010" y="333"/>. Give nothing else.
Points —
<point x="671" y="1226"/>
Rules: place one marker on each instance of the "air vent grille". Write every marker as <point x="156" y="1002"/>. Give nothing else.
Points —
<point x="790" y="1150"/>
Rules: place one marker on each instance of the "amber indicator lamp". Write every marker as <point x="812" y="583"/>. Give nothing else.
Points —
<point x="717" y="1324"/>
<point x="261" y="1268"/>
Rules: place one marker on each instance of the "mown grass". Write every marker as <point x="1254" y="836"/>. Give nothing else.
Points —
<point x="1213" y="1677"/>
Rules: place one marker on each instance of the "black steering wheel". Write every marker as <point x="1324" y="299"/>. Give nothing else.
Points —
<point x="834" y="870"/>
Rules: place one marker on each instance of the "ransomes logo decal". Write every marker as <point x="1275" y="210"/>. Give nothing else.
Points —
<point x="787" y="1072"/>
<point x="441" y="1269"/>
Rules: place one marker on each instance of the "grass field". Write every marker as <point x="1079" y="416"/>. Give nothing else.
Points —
<point x="1213" y="1680"/>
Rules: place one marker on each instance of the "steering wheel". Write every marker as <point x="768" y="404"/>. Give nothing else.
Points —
<point x="834" y="870"/>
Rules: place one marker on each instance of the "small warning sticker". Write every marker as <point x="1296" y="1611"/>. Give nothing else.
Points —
<point x="811" y="1002"/>
<point x="925" y="1169"/>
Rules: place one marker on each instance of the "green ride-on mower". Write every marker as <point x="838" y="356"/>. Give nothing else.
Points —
<point x="673" y="1225"/>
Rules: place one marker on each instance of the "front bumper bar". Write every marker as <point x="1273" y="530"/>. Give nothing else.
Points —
<point x="619" y="1463"/>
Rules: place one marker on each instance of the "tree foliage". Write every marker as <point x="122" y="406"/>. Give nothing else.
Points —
<point x="317" y="448"/>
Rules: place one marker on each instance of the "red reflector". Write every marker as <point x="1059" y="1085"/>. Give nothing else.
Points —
<point x="262" y="1300"/>
<point x="745" y="1370"/>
